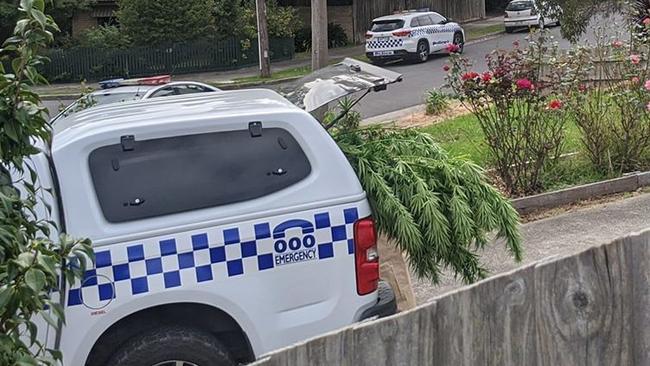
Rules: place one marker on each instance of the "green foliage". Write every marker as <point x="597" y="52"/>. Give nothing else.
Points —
<point x="237" y="18"/>
<point x="31" y="265"/>
<point x="513" y="102"/>
<point x="613" y="115"/>
<point x="439" y="210"/>
<point x="108" y="36"/>
<point x="335" y="34"/>
<point x="154" y="22"/>
<point x="349" y="122"/>
<point x="436" y="102"/>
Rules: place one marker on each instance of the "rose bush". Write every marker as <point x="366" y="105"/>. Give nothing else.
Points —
<point x="524" y="132"/>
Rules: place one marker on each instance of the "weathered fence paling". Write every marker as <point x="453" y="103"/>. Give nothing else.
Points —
<point x="592" y="308"/>
<point x="95" y="64"/>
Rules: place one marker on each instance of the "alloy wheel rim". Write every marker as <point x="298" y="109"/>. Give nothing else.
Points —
<point x="423" y="52"/>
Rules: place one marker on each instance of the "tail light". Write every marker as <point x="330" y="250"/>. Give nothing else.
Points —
<point x="368" y="35"/>
<point x="366" y="256"/>
<point x="404" y="33"/>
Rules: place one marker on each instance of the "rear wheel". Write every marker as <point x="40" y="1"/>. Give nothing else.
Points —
<point x="422" y="53"/>
<point x="172" y="346"/>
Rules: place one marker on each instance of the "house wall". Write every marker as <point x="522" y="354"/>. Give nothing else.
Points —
<point x="82" y="20"/>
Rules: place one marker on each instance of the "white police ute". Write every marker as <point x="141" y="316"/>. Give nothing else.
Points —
<point x="224" y="225"/>
<point x="412" y="35"/>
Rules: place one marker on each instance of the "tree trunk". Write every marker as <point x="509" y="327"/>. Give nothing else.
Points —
<point x="263" y="39"/>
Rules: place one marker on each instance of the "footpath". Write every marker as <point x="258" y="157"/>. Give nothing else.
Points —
<point x="565" y="234"/>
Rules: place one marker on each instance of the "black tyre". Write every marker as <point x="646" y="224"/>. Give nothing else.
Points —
<point x="459" y="41"/>
<point x="172" y="346"/>
<point x="422" y="53"/>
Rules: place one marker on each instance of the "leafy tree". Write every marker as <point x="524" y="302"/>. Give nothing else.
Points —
<point x="149" y="22"/>
<point x="237" y="18"/>
<point x="575" y="15"/>
<point x="32" y="266"/>
<point x="439" y="210"/>
<point x="104" y="36"/>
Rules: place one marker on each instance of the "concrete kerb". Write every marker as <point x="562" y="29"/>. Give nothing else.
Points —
<point x="544" y="201"/>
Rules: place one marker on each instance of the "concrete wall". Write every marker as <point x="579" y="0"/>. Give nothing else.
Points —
<point x="592" y="308"/>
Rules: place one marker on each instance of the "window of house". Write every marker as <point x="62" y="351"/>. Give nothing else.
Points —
<point x="143" y="179"/>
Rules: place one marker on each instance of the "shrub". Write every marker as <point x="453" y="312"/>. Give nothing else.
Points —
<point x="436" y="102"/>
<point x="108" y="36"/>
<point x="612" y="114"/>
<point x="152" y="22"/>
<point x="34" y="270"/>
<point x="515" y="107"/>
<point x="335" y="34"/>
<point x="237" y="18"/>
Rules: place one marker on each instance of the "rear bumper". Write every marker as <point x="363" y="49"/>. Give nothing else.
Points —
<point x="386" y="304"/>
<point x="521" y="22"/>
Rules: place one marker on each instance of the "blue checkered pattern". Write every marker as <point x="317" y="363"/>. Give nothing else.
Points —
<point x="203" y="261"/>
<point x="420" y="31"/>
<point x="387" y="43"/>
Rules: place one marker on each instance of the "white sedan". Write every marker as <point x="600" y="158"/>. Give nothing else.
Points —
<point x="525" y="13"/>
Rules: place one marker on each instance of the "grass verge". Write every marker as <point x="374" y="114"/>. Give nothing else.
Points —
<point x="277" y="75"/>
<point x="476" y="32"/>
<point x="462" y="136"/>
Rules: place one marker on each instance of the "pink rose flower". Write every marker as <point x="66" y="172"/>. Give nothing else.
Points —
<point x="635" y="59"/>
<point x="617" y="44"/>
<point x="525" y="84"/>
<point x="646" y="21"/>
<point x="453" y="48"/>
<point x="635" y="80"/>
<point x="647" y="85"/>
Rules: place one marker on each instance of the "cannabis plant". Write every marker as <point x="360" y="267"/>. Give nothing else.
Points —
<point x="439" y="210"/>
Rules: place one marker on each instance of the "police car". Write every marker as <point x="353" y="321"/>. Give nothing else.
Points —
<point x="224" y="225"/>
<point x="411" y="35"/>
<point x="123" y="90"/>
<point x="527" y="13"/>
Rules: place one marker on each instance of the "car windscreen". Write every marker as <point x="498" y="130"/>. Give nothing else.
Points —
<point x="386" y="25"/>
<point x="519" y="5"/>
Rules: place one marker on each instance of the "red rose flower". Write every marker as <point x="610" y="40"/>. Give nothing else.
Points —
<point x="470" y="76"/>
<point x="446" y="68"/>
<point x="525" y="84"/>
<point x="486" y="77"/>
<point x="555" y="104"/>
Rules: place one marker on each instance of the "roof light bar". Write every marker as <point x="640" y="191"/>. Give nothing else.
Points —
<point x="152" y="80"/>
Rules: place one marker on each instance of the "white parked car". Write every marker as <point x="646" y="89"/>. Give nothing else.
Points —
<point x="525" y="13"/>
<point x="224" y="225"/>
<point x="125" y="90"/>
<point x="411" y="35"/>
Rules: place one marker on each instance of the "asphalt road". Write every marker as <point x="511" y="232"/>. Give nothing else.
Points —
<point x="419" y="78"/>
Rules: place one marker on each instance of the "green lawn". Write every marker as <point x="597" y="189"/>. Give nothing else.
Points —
<point x="462" y="136"/>
<point x="276" y="75"/>
<point x="474" y="32"/>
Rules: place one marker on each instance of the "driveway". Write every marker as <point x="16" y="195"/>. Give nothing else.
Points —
<point x="557" y="236"/>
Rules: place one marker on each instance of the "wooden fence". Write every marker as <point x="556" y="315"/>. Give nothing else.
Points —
<point x="459" y="10"/>
<point x="591" y="308"/>
<point x="96" y="64"/>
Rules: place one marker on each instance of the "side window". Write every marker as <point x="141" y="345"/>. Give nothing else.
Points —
<point x="438" y="19"/>
<point x="163" y="92"/>
<point x="415" y="23"/>
<point x="424" y="20"/>
<point x="143" y="179"/>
